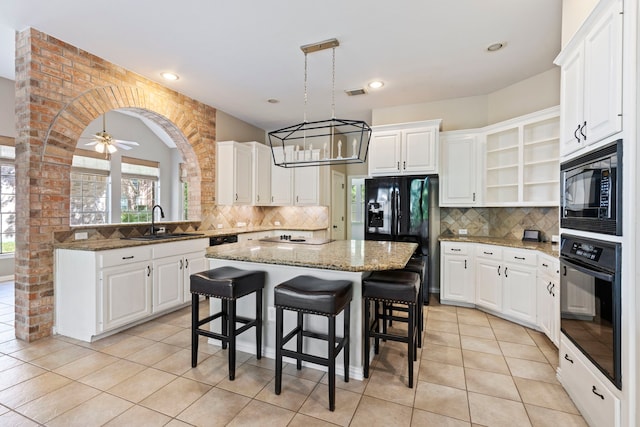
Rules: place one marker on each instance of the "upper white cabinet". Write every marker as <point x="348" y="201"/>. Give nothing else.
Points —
<point x="591" y="79"/>
<point x="404" y="149"/>
<point x="306" y="182"/>
<point x="281" y="180"/>
<point x="234" y="173"/>
<point x="459" y="184"/>
<point x="261" y="165"/>
<point x="521" y="161"/>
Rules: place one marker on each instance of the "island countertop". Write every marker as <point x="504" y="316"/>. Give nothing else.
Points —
<point x="341" y="255"/>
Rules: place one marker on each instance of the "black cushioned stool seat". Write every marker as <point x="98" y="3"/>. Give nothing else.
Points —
<point x="228" y="284"/>
<point x="311" y="295"/>
<point x="384" y="288"/>
<point x="416" y="265"/>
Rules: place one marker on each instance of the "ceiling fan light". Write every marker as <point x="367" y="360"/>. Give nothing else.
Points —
<point x="111" y="148"/>
<point x="99" y="148"/>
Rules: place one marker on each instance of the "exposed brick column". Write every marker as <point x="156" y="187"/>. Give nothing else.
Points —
<point x="60" y="89"/>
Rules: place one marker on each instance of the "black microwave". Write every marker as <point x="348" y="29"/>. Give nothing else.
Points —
<point x="591" y="191"/>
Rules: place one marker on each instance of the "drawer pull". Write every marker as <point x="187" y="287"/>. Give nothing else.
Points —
<point x="544" y="265"/>
<point x="566" y="356"/>
<point x="595" y="391"/>
<point x="488" y="253"/>
<point x="521" y="258"/>
<point x="127" y="257"/>
<point x="455" y="250"/>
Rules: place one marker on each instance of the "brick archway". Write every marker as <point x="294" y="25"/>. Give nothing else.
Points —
<point x="60" y="89"/>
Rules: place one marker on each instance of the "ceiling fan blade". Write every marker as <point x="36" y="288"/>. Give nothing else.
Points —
<point x="92" y="143"/>
<point x="122" y="146"/>
<point x="122" y="141"/>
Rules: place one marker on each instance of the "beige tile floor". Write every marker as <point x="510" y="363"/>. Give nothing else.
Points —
<point x="474" y="369"/>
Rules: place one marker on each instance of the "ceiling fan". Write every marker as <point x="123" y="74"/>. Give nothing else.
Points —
<point x="103" y="142"/>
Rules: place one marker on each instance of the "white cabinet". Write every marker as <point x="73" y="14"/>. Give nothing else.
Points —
<point x="261" y="160"/>
<point x="489" y="274"/>
<point x="591" y="80"/>
<point x="459" y="184"/>
<point x="100" y="292"/>
<point x="194" y="262"/>
<point x="281" y="180"/>
<point x="306" y="183"/>
<point x="519" y="289"/>
<point x="234" y="173"/>
<point x="521" y="161"/>
<point x="587" y="387"/>
<point x="404" y="149"/>
<point x="549" y="297"/>
<point x="457" y="282"/>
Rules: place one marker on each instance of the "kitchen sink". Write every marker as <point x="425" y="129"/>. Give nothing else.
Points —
<point x="163" y="236"/>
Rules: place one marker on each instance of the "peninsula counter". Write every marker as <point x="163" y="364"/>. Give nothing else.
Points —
<point x="349" y="260"/>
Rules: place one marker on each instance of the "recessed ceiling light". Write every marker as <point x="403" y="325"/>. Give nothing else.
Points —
<point x="273" y="101"/>
<point x="376" y="84"/>
<point x="167" y="75"/>
<point x="495" y="46"/>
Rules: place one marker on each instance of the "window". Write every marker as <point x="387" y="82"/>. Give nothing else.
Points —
<point x="7" y="204"/>
<point x="357" y="201"/>
<point x="139" y="189"/>
<point x="89" y="199"/>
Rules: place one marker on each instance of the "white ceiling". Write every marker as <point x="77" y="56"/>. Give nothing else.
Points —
<point x="235" y="55"/>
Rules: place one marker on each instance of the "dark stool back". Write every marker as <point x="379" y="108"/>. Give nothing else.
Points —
<point x="311" y="295"/>
<point x="383" y="288"/>
<point x="415" y="265"/>
<point x="228" y="284"/>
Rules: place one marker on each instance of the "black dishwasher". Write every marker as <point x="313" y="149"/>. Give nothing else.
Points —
<point x="221" y="240"/>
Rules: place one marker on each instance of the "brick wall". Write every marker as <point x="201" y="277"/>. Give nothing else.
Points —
<point x="60" y="89"/>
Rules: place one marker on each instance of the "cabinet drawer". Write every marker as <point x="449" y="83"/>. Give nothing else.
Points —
<point x="124" y="256"/>
<point x="520" y="256"/>
<point x="598" y="405"/>
<point x="162" y="250"/>
<point x="489" y="251"/>
<point x="548" y="266"/>
<point x="451" y="248"/>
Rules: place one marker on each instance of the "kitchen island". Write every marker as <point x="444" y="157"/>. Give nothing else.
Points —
<point x="349" y="260"/>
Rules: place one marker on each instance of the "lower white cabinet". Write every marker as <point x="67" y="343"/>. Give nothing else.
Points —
<point x="489" y="274"/>
<point x="458" y="284"/>
<point x="597" y="403"/>
<point x="101" y="291"/>
<point x="193" y="263"/>
<point x="549" y="297"/>
<point x="519" y="289"/>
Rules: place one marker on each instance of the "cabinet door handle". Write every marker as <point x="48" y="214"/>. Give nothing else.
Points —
<point x="398" y="165"/>
<point x="258" y="198"/>
<point x="582" y="133"/>
<point x="565" y="270"/>
<point x="465" y="264"/>
<point x="474" y="197"/>
<point x="186" y="263"/>
<point x="499" y="270"/>
<point x="148" y="270"/>
<point x="575" y="133"/>
<point x="505" y="272"/>
<point x="521" y="258"/>
<point x="236" y="197"/>
<point x="181" y="264"/>
<point x="549" y="287"/>
<point x="296" y="199"/>
<point x="404" y="165"/>
<point x="127" y="257"/>
<point x="272" y="198"/>
<point x="594" y="390"/>
<point x="566" y="357"/>
<point x="553" y="286"/>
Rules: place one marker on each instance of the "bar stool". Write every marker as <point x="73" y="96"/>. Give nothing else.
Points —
<point x="228" y="284"/>
<point x="312" y="295"/>
<point x="398" y="287"/>
<point x="416" y="265"/>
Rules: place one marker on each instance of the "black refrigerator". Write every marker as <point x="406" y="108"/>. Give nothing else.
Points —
<point x="406" y="209"/>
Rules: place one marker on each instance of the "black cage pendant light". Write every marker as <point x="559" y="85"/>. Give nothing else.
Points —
<point x="324" y="142"/>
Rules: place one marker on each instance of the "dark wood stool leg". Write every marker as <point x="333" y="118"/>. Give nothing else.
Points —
<point x="195" y="306"/>
<point x="225" y="320"/>
<point x="378" y="319"/>
<point x="231" y="316"/>
<point x="332" y="362"/>
<point x="299" y="339"/>
<point x="420" y="315"/>
<point x="367" y="335"/>
<point x="346" y="335"/>
<point x="411" y="349"/>
<point x="259" y="324"/>
<point x="279" y="336"/>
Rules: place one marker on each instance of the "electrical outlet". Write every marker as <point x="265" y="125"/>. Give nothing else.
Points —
<point x="271" y="314"/>
<point x="277" y="222"/>
<point x="81" y="235"/>
<point x="162" y="230"/>
<point x="241" y="224"/>
<point x="462" y="231"/>
<point x="219" y="225"/>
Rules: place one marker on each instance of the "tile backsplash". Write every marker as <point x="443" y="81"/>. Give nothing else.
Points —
<point x="500" y="222"/>
<point x="287" y="216"/>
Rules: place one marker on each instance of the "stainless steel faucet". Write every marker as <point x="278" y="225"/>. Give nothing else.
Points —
<point x="153" y="230"/>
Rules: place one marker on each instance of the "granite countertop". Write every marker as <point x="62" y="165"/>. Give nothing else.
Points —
<point x="342" y="255"/>
<point x="107" y="244"/>
<point x="551" y="249"/>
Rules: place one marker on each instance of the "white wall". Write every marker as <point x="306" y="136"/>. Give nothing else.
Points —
<point x="7" y="107"/>
<point x="574" y="12"/>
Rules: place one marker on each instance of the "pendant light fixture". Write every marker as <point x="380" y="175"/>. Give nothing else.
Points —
<point x="325" y="142"/>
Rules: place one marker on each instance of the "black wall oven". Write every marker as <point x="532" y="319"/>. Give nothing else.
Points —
<point x="590" y="301"/>
<point x="591" y="193"/>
